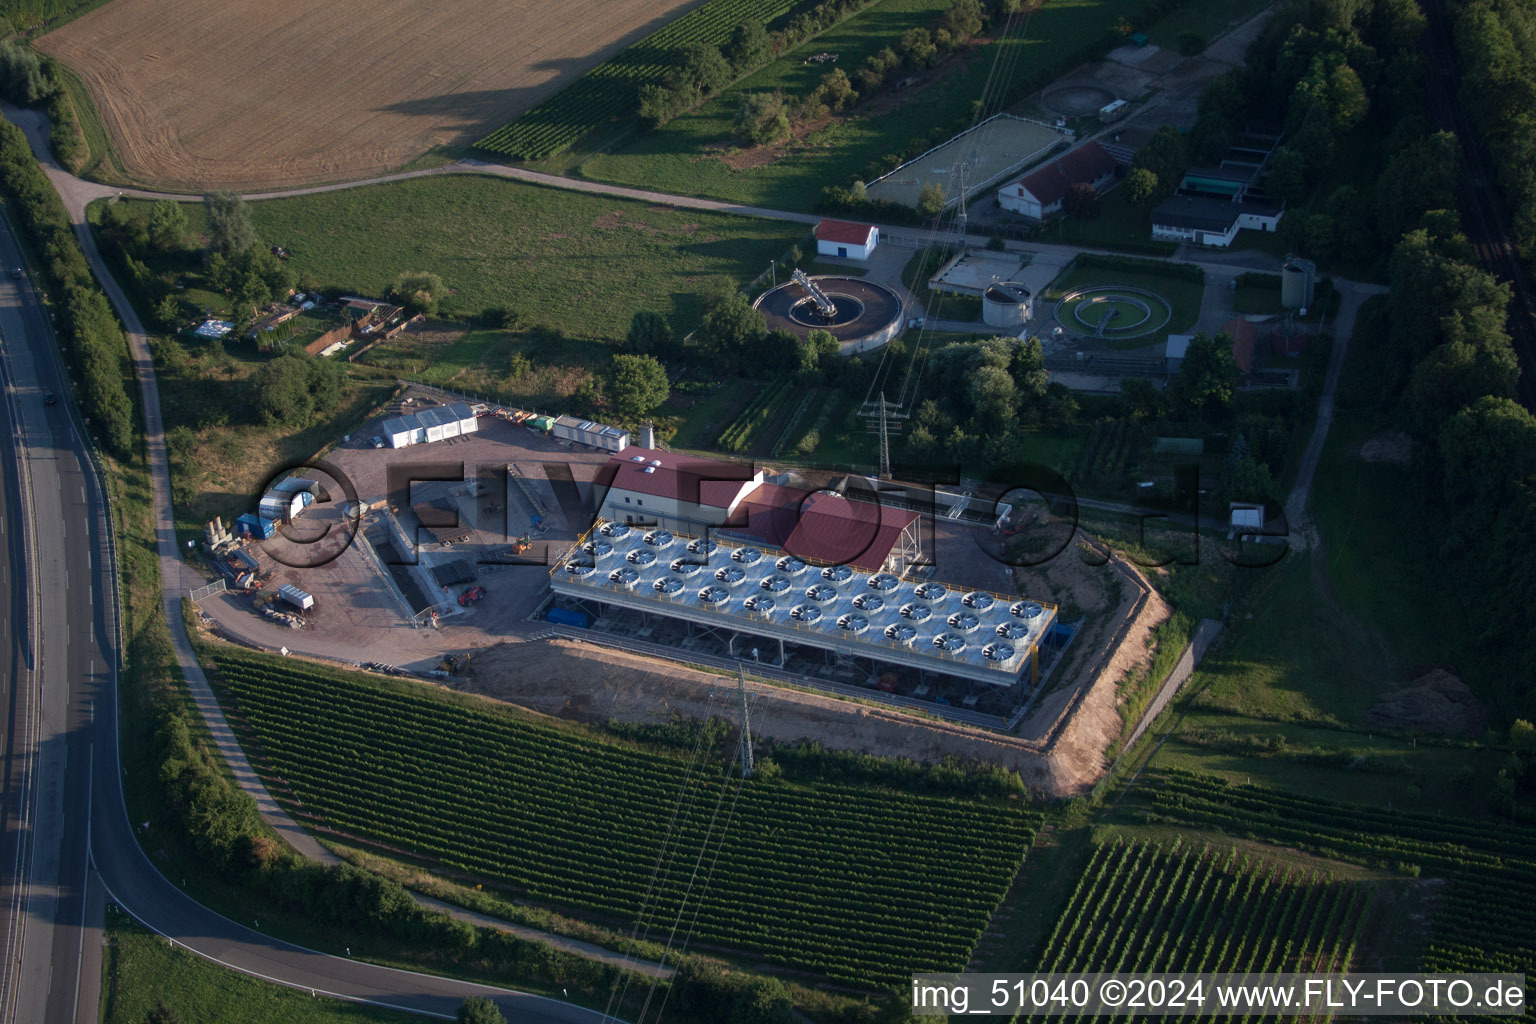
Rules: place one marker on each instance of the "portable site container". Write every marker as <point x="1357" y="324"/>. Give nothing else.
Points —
<point x="587" y="432"/>
<point x="255" y="526"/>
<point x="400" y="431"/>
<point x="302" y="600"/>
<point x="282" y="507"/>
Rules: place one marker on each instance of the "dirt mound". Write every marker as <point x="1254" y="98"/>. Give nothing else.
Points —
<point x="1436" y="703"/>
<point x="588" y="683"/>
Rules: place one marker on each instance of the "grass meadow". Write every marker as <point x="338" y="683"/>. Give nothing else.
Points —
<point x="683" y="155"/>
<point x="1119" y="225"/>
<point x="144" y="973"/>
<point x="582" y="263"/>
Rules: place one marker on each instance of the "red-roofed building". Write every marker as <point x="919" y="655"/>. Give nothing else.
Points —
<point x="677" y="492"/>
<point x="825" y="528"/>
<point x="846" y="240"/>
<point x="1242" y="334"/>
<point x="1039" y="193"/>
<point x="687" y="494"/>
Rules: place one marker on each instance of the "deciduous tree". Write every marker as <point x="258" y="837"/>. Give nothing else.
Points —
<point x="167" y="225"/>
<point x="1141" y="188"/>
<point x="649" y="335"/>
<point x="930" y="202"/>
<point x="419" y="290"/>
<point x="229" y="223"/>
<point x="637" y="385"/>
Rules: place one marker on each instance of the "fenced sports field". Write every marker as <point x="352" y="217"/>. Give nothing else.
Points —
<point x="983" y="156"/>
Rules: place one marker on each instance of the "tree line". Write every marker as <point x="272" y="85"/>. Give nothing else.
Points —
<point x="1435" y="356"/>
<point x="1344" y="82"/>
<point x="31" y="80"/>
<point x="93" y="341"/>
<point x="1496" y="41"/>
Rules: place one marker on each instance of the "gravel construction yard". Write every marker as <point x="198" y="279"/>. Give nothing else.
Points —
<point x="359" y="615"/>
<point x="204" y="94"/>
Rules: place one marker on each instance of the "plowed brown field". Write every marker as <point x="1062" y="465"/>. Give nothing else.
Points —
<point x="242" y="94"/>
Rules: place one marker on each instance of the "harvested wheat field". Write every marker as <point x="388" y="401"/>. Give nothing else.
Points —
<point x="240" y="94"/>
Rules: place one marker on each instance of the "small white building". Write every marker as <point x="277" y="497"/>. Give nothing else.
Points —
<point x="846" y="240"/>
<point x="1213" y="222"/>
<point x="286" y="499"/>
<point x="400" y="431"/>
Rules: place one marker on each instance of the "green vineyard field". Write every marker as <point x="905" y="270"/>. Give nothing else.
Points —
<point x="860" y="883"/>
<point x="1483" y="920"/>
<point x="610" y="90"/>
<point x="1143" y="907"/>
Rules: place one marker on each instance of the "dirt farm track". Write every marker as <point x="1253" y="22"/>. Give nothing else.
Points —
<point x="241" y="94"/>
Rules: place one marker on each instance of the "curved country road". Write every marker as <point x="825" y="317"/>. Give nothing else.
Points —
<point x="84" y="845"/>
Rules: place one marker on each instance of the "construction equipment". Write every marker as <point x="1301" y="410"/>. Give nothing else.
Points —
<point x="522" y="544"/>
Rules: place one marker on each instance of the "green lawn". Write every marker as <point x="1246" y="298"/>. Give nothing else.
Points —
<point x="674" y="158"/>
<point x="1119" y="225"/>
<point x="484" y="362"/>
<point x="141" y="973"/>
<point x="702" y="410"/>
<point x="583" y="263"/>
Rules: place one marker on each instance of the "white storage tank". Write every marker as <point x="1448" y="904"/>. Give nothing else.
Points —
<point x="1297" y="278"/>
<point x="1005" y="304"/>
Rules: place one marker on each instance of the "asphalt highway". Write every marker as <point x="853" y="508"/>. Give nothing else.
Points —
<point x="68" y="814"/>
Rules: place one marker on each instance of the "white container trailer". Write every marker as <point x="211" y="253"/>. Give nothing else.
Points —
<point x="587" y="432"/>
<point x="401" y="431"/>
<point x="435" y="422"/>
<point x="300" y="599"/>
<point x="464" y="416"/>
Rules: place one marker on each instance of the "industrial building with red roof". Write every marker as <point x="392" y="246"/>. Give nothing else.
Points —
<point x="689" y="494"/>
